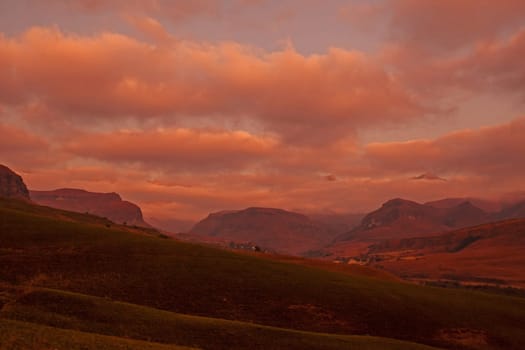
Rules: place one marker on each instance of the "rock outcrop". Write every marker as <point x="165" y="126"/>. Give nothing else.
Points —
<point x="108" y="205"/>
<point x="12" y="185"/>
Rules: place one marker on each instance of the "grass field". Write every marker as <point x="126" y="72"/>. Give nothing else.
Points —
<point x="101" y="316"/>
<point x="15" y="335"/>
<point x="51" y="249"/>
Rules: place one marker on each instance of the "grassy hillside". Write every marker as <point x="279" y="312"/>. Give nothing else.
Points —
<point x="80" y="254"/>
<point x="15" y="335"/>
<point x="98" y="315"/>
<point x="490" y="254"/>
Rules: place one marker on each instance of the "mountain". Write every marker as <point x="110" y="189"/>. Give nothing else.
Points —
<point x="489" y="206"/>
<point x="465" y="214"/>
<point x="513" y="211"/>
<point x="70" y="281"/>
<point x="337" y="222"/>
<point x="12" y="185"/>
<point x="274" y="229"/>
<point x="491" y="253"/>
<point x="171" y="225"/>
<point x="400" y="218"/>
<point x="108" y="205"/>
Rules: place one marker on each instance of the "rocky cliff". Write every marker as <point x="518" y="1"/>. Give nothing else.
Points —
<point x="12" y="185"/>
<point x="109" y="205"/>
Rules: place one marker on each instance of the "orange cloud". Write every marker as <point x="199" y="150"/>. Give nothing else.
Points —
<point x="151" y="28"/>
<point x="180" y="149"/>
<point x="175" y="10"/>
<point x="109" y="76"/>
<point x="22" y="148"/>
<point x="495" y="152"/>
<point x="15" y="140"/>
<point x="491" y="66"/>
<point x="452" y="24"/>
<point x="495" y="65"/>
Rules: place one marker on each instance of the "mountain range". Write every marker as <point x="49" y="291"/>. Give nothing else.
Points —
<point x="72" y="280"/>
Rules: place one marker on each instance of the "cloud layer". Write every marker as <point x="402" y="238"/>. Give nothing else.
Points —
<point x="129" y="100"/>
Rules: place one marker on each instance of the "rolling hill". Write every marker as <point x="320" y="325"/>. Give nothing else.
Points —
<point x="488" y="254"/>
<point x="78" y="272"/>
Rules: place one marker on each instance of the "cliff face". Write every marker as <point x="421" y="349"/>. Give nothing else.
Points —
<point x="108" y="205"/>
<point x="12" y="185"/>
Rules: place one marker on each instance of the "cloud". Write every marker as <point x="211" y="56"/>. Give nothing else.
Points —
<point x="151" y="28"/>
<point x="428" y="177"/>
<point x="109" y="76"/>
<point x="494" y="152"/>
<point x="177" y="149"/>
<point x="330" y="177"/>
<point x="442" y="83"/>
<point x="495" y="65"/>
<point x="15" y="140"/>
<point x="445" y="25"/>
<point x="22" y="148"/>
<point x="174" y="10"/>
<point x="184" y="127"/>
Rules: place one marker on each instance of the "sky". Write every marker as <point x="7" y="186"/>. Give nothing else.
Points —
<point x="187" y="107"/>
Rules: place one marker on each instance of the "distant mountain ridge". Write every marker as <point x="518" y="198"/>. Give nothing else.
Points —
<point x="276" y="229"/>
<point x="109" y="205"/>
<point x="489" y="206"/>
<point x="398" y="218"/>
<point x="514" y="211"/>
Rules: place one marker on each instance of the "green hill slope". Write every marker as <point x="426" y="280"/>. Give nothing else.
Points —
<point x="101" y="316"/>
<point x="46" y="248"/>
<point x="15" y="335"/>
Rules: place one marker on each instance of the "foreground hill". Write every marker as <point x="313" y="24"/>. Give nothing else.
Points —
<point x="67" y="270"/>
<point x="98" y="315"/>
<point x="109" y="205"/>
<point x="16" y="335"/>
<point x="274" y="229"/>
<point x="489" y="254"/>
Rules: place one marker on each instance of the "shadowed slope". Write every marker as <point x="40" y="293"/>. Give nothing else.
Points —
<point x="98" y="315"/>
<point x="16" y="335"/>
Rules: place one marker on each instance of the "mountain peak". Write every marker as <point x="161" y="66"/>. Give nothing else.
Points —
<point x="396" y="202"/>
<point x="270" y="228"/>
